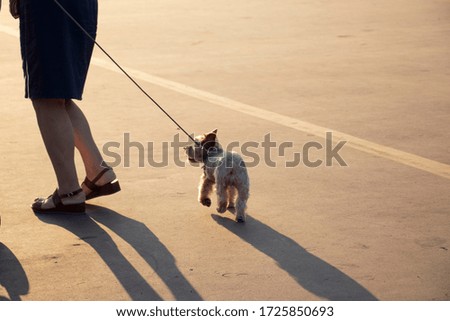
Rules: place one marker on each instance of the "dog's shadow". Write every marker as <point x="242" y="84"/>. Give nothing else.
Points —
<point x="309" y="271"/>
<point x="136" y="234"/>
<point x="12" y="275"/>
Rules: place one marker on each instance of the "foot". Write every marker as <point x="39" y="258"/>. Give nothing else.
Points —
<point x="70" y="203"/>
<point x="48" y="203"/>
<point x="222" y="208"/>
<point x="107" y="177"/>
<point x="206" y="202"/>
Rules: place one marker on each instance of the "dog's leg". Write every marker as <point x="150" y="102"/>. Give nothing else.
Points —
<point x="241" y="202"/>
<point x="222" y="197"/>
<point x="231" y="198"/>
<point x="204" y="189"/>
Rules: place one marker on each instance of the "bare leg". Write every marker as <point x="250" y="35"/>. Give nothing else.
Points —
<point x="85" y="144"/>
<point x="57" y="134"/>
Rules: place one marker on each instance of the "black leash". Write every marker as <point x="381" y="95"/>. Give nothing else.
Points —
<point x="125" y="73"/>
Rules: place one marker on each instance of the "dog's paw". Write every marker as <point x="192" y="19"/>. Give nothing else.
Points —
<point x="206" y="202"/>
<point x="240" y="219"/>
<point x="222" y="208"/>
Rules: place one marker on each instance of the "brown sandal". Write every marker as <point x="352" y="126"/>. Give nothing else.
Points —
<point x="59" y="208"/>
<point x="107" y="189"/>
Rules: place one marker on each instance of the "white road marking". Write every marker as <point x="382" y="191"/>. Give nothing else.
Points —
<point x="366" y="146"/>
<point x="412" y="160"/>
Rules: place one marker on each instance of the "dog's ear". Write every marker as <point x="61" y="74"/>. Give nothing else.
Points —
<point x="210" y="137"/>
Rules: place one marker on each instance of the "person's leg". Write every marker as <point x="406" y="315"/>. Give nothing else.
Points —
<point x="58" y="136"/>
<point x="85" y="144"/>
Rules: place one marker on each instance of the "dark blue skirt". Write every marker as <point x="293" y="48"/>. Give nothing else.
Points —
<point x="55" y="52"/>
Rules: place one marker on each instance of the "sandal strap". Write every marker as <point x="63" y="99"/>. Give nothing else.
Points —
<point x="91" y="184"/>
<point x="101" y="174"/>
<point x="56" y="198"/>
<point x="78" y="191"/>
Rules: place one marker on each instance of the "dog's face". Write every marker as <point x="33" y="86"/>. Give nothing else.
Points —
<point x="197" y="152"/>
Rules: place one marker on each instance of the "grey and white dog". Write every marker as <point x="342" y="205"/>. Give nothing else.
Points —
<point x="225" y="170"/>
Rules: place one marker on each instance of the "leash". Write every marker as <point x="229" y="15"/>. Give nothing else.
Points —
<point x="123" y="70"/>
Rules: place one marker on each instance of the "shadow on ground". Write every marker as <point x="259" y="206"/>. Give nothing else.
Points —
<point x="310" y="272"/>
<point x="12" y="275"/>
<point x="140" y="238"/>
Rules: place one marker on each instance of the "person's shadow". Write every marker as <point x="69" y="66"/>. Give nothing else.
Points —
<point x="135" y="233"/>
<point x="310" y="272"/>
<point x="12" y="275"/>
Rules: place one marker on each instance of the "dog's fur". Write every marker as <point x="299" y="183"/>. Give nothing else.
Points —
<point x="224" y="169"/>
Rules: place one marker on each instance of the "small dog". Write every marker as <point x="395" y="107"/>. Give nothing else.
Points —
<point x="225" y="169"/>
